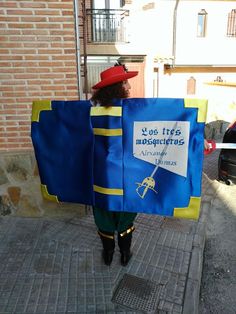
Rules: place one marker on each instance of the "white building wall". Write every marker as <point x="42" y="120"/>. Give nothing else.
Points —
<point x="222" y="99"/>
<point x="216" y="48"/>
<point x="151" y="31"/>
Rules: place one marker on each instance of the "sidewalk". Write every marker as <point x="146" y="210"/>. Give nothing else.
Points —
<point x="54" y="265"/>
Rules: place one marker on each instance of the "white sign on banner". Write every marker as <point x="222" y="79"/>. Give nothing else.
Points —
<point x="163" y="144"/>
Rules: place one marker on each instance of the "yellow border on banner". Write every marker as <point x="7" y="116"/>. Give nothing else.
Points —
<point x="37" y="107"/>
<point x="107" y="132"/>
<point x="201" y="104"/>
<point x="48" y="196"/>
<point x="106" y="111"/>
<point x="107" y="191"/>
<point x="190" y="212"/>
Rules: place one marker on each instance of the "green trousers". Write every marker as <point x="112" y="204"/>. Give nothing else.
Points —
<point x="109" y="221"/>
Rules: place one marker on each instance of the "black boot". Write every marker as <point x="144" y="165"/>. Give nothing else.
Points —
<point x="108" y="243"/>
<point x="124" y="242"/>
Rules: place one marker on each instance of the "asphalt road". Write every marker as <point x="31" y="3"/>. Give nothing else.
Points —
<point x="218" y="286"/>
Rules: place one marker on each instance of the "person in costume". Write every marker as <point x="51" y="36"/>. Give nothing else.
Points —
<point x="114" y="84"/>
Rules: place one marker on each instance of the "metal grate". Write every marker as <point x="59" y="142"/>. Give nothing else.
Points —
<point x="137" y="293"/>
<point x="107" y="25"/>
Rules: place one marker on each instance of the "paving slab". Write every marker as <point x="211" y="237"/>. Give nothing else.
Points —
<point x="54" y="265"/>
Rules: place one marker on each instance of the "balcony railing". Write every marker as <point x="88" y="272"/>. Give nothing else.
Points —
<point x="107" y="26"/>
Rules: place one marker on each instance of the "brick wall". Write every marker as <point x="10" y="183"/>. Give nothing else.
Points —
<point x="37" y="61"/>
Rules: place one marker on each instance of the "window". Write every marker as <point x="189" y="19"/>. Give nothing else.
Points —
<point x="231" y="26"/>
<point x="201" y="23"/>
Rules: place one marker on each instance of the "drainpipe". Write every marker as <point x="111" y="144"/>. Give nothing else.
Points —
<point x="85" y="48"/>
<point x="78" y="59"/>
<point x="174" y="32"/>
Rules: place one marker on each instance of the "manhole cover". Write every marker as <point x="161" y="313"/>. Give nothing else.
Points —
<point x="137" y="293"/>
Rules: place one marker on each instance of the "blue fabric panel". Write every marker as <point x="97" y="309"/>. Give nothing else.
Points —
<point x="71" y="159"/>
<point x="63" y="142"/>
<point x="106" y="122"/>
<point x="108" y="163"/>
<point x="172" y="190"/>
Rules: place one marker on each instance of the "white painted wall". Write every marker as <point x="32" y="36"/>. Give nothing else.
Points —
<point x="221" y="99"/>
<point x="151" y="31"/>
<point x="151" y="34"/>
<point x="216" y="48"/>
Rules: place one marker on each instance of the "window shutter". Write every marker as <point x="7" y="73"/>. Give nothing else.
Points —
<point x="191" y="86"/>
<point x="231" y="26"/>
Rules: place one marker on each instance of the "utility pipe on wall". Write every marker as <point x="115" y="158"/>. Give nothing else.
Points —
<point x="174" y="32"/>
<point x="78" y="54"/>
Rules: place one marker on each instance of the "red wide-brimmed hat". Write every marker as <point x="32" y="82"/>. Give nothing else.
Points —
<point x="114" y="75"/>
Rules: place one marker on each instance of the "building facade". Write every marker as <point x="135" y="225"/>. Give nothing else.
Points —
<point x="185" y="48"/>
<point x="56" y="50"/>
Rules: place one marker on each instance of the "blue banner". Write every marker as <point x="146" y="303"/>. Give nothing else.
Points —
<point x="142" y="155"/>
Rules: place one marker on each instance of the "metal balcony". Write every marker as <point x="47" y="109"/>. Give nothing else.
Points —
<point x="107" y="26"/>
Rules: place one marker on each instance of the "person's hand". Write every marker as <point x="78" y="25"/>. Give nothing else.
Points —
<point x="207" y="146"/>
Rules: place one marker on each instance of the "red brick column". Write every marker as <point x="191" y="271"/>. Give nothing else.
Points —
<point x="37" y="61"/>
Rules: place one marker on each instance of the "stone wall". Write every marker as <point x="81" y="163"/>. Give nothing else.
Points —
<point x="20" y="192"/>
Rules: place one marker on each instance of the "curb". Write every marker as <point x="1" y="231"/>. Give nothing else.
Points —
<point x="193" y="286"/>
